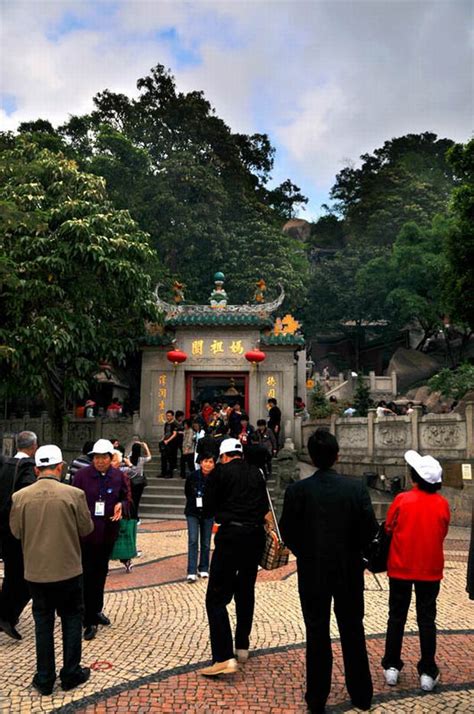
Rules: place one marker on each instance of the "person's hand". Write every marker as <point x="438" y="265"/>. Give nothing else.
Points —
<point x="117" y="512"/>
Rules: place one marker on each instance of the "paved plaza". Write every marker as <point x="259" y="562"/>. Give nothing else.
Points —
<point x="147" y="661"/>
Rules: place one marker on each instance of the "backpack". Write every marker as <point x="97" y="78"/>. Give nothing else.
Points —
<point x="8" y="478"/>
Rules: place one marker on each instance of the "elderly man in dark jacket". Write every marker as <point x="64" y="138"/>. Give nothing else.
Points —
<point x="327" y="521"/>
<point x="470" y="563"/>
<point x="108" y="497"/>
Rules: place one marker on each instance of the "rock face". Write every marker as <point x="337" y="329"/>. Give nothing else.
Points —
<point x="298" y="228"/>
<point x="411" y="366"/>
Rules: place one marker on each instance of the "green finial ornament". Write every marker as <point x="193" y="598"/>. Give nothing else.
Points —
<point x="218" y="297"/>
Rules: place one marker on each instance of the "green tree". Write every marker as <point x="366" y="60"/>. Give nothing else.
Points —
<point x="341" y="300"/>
<point x="196" y="187"/>
<point x="459" y="279"/>
<point x="453" y="383"/>
<point x="362" y="400"/>
<point x="286" y="199"/>
<point x="75" y="277"/>
<point x="319" y="406"/>
<point x="407" y="179"/>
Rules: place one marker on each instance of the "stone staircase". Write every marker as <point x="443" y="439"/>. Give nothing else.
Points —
<point x="163" y="499"/>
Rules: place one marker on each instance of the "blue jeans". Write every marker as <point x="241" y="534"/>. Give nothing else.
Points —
<point x="199" y="528"/>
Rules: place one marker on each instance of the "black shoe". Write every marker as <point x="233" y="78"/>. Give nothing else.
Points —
<point x="10" y="630"/>
<point x="90" y="632"/>
<point x="44" y="690"/>
<point x="80" y="679"/>
<point x="102" y="619"/>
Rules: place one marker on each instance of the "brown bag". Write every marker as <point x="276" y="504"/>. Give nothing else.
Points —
<point x="275" y="553"/>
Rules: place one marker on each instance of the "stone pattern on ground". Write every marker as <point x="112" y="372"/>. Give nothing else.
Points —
<point x="147" y="660"/>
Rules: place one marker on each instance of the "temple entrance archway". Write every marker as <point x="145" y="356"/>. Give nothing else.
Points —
<point x="229" y="387"/>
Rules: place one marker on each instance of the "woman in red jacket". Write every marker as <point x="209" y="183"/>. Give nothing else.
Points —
<point x="418" y="521"/>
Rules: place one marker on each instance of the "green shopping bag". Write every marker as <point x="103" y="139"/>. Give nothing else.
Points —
<point x="125" y="547"/>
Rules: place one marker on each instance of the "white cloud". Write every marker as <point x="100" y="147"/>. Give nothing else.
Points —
<point x="328" y="80"/>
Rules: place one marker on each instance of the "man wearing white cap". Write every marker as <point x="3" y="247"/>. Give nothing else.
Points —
<point x="108" y="497"/>
<point x="418" y="522"/>
<point x="49" y="518"/>
<point x="236" y="496"/>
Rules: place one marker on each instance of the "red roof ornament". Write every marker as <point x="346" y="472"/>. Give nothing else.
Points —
<point x="176" y="357"/>
<point x="255" y="356"/>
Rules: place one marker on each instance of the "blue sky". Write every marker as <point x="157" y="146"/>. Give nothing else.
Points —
<point x="327" y="80"/>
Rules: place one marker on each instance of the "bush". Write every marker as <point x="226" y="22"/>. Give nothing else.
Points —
<point x="319" y="403"/>
<point x="362" y="400"/>
<point x="453" y="383"/>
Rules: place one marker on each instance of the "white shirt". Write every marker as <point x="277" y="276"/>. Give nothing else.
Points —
<point x="21" y="455"/>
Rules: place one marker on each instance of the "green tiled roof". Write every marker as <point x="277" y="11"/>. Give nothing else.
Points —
<point x="282" y="340"/>
<point x="219" y="319"/>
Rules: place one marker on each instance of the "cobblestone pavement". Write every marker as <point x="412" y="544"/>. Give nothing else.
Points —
<point x="147" y="661"/>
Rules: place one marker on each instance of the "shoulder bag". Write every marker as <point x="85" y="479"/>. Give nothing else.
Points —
<point x="275" y="553"/>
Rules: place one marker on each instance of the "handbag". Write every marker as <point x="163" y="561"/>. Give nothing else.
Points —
<point x="376" y="555"/>
<point x="275" y="553"/>
<point x="125" y="547"/>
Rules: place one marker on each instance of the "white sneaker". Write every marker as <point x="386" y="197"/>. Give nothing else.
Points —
<point x="191" y="578"/>
<point x="428" y="683"/>
<point x="391" y="676"/>
<point x="203" y="574"/>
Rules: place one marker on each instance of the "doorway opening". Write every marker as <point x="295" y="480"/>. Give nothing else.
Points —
<point x="216" y="388"/>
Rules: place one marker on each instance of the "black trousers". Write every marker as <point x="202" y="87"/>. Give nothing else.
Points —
<point x="233" y="573"/>
<point x="316" y="596"/>
<point x="95" y="565"/>
<point x="137" y="492"/>
<point x="426" y="592"/>
<point x="65" y="597"/>
<point x="186" y="464"/>
<point x="169" y="457"/>
<point x="15" y="593"/>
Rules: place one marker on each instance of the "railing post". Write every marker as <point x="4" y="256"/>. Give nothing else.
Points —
<point x="470" y="430"/>
<point x="415" y="420"/>
<point x="394" y="383"/>
<point x="370" y="432"/>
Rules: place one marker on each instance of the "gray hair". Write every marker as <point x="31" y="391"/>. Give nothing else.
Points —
<point x="26" y="439"/>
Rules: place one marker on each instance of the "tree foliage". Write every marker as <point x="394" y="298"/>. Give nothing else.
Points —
<point x="459" y="248"/>
<point x="196" y="187"/>
<point x="319" y="406"/>
<point x="362" y="401"/>
<point x="75" y="276"/>
<point x="408" y="179"/>
<point x="453" y="383"/>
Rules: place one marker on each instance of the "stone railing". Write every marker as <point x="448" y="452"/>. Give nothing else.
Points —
<point x="377" y="445"/>
<point x="75" y="431"/>
<point x="344" y="388"/>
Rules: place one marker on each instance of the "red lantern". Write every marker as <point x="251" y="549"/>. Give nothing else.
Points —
<point x="255" y="356"/>
<point x="176" y="357"/>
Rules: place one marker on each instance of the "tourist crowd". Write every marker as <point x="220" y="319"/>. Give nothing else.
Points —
<point x="57" y="540"/>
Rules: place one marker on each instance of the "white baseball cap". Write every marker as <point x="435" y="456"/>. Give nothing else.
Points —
<point x="102" y="446"/>
<point x="48" y="455"/>
<point x="229" y="445"/>
<point x="427" y="467"/>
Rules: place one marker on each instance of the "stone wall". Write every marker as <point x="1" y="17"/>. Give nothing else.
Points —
<point x="377" y="445"/>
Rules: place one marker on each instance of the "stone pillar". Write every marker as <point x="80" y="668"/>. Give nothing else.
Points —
<point x="332" y="427"/>
<point x="298" y="434"/>
<point x="415" y="419"/>
<point x="301" y="375"/>
<point x="394" y="383"/>
<point x="470" y="430"/>
<point x="372" y="381"/>
<point x="370" y="432"/>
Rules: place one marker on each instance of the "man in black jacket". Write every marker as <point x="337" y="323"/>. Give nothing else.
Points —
<point x="327" y="521"/>
<point x="236" y="496"/>
<point x="16" y="473"/>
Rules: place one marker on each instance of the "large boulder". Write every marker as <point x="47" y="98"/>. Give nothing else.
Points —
<point x="298" y="228"/>
<point x="411" y="366"/>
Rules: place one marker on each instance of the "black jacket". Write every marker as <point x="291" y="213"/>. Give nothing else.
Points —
<point x="236" y="492"/>
<point x="15" y="474"/>
<point x="195" y="484"/>
<point x="328" y="520"/>
<point x="470" y="562"/>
